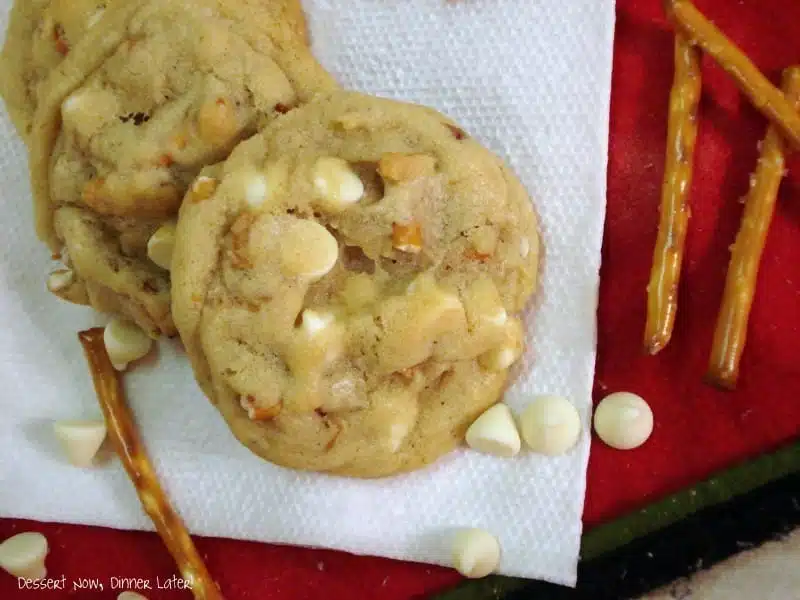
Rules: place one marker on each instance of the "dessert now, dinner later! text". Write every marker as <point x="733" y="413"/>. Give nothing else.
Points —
<point x="112" y="583"/>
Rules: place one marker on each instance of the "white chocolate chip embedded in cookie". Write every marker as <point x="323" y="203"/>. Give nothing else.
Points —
<point x="80" y="440"/>
<point x="313" y="322"/>
<point x="524" y="247"/>
<point x="60" y="280"/>
<point x="550" y="425"/>
<point x="217" y="121"/>
<point x="256" y="191"/>
<point x="87" y="112"/>
<point x="509" y="351"/>
<point x="495" y="432"/>
<point x="307" y="250"/>
<point x="125" y="343"/>
<point x="476" y="553"/>
<point x="161" y="244"/>
<point x="24" y="554"/>
<point x="336" y="184"/>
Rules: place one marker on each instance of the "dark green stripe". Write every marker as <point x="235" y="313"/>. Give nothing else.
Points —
<point x="720" y="488"/>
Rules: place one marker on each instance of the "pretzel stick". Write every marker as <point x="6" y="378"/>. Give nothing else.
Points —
<point x="765" y="97"/>
<point x="662" y="290"/>
<point x="740" y="284"/>
<point x="128" y="445"/>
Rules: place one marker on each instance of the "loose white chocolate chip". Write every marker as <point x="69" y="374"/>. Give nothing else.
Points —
<point x="23" y="555"/>
<point x="60" y="280"/>
<point x="161" y="245"/>
<point x="623" y="420"/>
<point x="336" y="183"/>
<point x="131" y="596"/>
<point x="257" y="191"/>
<point x="495" y="432"/>
<point x="125" y="343"/>
<point x="80" y="440"/>
<point x="308" y="250"/>
<point x="476" y="553"/>
<point x="550" y="425"/>
<point x="314" y="321"/>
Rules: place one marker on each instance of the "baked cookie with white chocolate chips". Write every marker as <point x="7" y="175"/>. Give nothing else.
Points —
<point x="184" y="86"/>
<point x="40" y="34"/>
<point x="349" y="283"/>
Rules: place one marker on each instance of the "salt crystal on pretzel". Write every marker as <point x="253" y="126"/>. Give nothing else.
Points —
<point x="128" y="446"/>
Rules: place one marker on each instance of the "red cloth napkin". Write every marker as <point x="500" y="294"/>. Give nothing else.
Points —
<point x="698" y="430"/>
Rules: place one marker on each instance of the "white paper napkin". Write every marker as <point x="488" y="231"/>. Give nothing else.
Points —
<point x="531" y="80"/>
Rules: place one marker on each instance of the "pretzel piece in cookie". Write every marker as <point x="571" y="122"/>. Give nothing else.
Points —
<point x="130" y="449"/>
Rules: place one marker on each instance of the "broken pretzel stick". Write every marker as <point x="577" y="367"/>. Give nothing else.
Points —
<point x="662" y="290"/>
<point x="762" y="93"/>
<point x="128" y="445"/>
<point x="740" y="285"/>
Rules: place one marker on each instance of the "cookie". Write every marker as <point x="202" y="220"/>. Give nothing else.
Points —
<point x="349" y="283"/>
<point x="115" y="273"/>
<point x="42" y="32"/>
<point x="182" y="85"/>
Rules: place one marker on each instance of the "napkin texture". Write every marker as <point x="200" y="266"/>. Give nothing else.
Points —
<point x="530" y="80"/>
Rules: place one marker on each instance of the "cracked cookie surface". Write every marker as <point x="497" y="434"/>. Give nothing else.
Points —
<point x="349" y="284"/>
<point x="183" y="84"/>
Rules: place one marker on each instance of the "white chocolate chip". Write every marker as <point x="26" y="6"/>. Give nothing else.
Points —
<point x="476" y="553"/>
<point x="550" y="425"/>
<point x="336" y="183"/>
<point x="623" y="420"/>
<point x="497" y="318"/>
<point x="314" y="321"/>
<point x="71" y="104"/>
<point x="23" y="555"/>
<point x="125" y="343"/>
<point x="524" y="247"/>
<point x="131" y="596"/>
<point x="499" y="359"/>
<point x="80" y="440"/>
<point x="308" y="250"/>
<point x="86" y="112"/>
<point x="256" y="191"/>
<point x="161" y="245"/>
<point x="60" y="280"/>
<point x="495" y="432"/>
<point x="398" y="434"/>
<point x="94" y="18"/>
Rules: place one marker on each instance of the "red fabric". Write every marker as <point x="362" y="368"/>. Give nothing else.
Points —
<point x="698" y="430"/>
